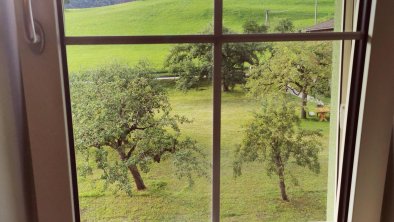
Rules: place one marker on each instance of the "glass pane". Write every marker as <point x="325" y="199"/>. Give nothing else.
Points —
<point x="283" y="16"/>
<point x="148" y="17"/>
<point x="279" y="127"/>
<point x="143" y="132"/>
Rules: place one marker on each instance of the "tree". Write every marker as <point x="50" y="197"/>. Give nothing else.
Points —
<point x="252" y="27"/>
<point x="285" y="25"/>
<point x="300" y="68"/>
<point x="193" y="63"/>
<point x="123" y="117"/>
<point x="274" y="137"/>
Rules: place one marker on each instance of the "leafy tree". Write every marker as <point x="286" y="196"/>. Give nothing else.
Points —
<point x="123" y="117"/>
<point x="274" y="137"/>
<point x="301" y="68"/>
<point x="285" y="25"/>
<point x="252" y="27"/>
<point x="193" y="63"/>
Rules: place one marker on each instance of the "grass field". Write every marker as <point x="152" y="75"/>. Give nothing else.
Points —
<point x="160" y="17"/>
<point x="252" y="197"/>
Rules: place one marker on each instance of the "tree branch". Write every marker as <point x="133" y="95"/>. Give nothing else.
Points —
<point x="157" y="156"/>
<point x="294" y="91"/>
<point x="128" y="155"/>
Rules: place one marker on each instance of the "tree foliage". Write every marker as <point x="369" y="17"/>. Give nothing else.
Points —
<point x="122" y="119"/>
<point x="300" y="68"/>
<point x="274" y="137"/>
<point x="285" y="25"/>
<point x="252" y="27"/>
<point x="193" y="63"/>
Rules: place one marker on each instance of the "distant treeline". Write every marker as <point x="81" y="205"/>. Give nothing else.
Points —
<point x="91" y="3"/>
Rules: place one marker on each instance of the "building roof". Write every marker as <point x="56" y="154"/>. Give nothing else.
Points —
<point x="322" y="27"/>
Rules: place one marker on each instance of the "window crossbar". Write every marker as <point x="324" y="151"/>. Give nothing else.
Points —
<point x="227" y="38"/>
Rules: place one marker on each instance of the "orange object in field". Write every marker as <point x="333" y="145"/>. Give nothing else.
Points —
<point x="322" y="113"/>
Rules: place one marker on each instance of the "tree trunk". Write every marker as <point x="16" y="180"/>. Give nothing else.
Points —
<point x="137" y="177"/>
<point x="283" y="188"/>
<point x="139" y="182"/>
<point x="281" y="175"/>
<point x="304" y="101"/>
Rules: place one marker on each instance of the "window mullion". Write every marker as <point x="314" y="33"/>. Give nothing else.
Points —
<point x="217" y="72"/>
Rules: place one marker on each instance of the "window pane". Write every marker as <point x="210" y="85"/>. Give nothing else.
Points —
<point x="272" y="16"/>
<point x="278" y="150"/>
<point x="150" y="17"/>
<point x="143" y="132"/>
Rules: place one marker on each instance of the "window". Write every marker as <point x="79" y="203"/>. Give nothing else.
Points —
<point x="226" y="124"/>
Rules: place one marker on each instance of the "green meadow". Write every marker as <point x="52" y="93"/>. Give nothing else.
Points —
<point x="174" y="17"/>
<point x="252" y="197"/>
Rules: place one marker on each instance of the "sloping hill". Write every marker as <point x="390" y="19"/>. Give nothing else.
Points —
<point x="158" y="17"/>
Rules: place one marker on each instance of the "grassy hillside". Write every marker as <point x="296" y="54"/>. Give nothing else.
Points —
<point x="159" y="17"/>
